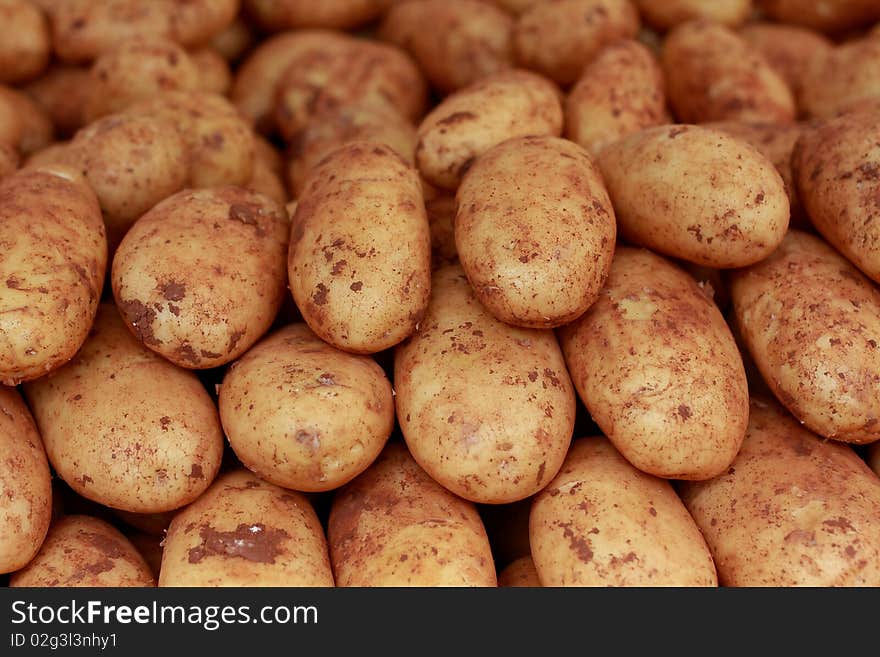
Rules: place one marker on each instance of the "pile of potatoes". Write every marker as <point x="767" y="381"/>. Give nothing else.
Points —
<point x="439" y="293"/>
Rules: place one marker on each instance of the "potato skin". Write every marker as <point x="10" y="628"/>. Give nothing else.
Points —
<point x="84" y="551"/>
<point x="52" y="265"/>
<point x="26" y="45"/>
<point x="23" y="123"/>
<point x="696" y="194"/>
<point x="788" y="49"/>
<point x="62" y="92"/>
<point x="830" y="17"/>
<point x="468" y="123"/>
<point x="846" y="77"/>
<point x="659" y="371"/>
<point x="223" y="539"/>
<point x="277" y="15"/>
<point x="808" y="511"/>
<point x="666" y="14"/>
<point x="395" y="526"/>
<point x="520" y="573"/>
<point x="810" y="320"/>
<point x="9" y="159"/>
<point x="215" y="75"/>
<point x="360" y="238"/>
<point x="201" y="276"/>
<point x="535" y="231"/>
<point x="486" y="409"/>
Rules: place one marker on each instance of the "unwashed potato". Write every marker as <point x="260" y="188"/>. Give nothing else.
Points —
<point x="215" y="75"/>
<point x="713" y="74"/>
<point x="441" y="218"/>
<point x="84" y="551"/>
<point x="559" y="37"/>
<point x="520" y="573"/>
<point x="486" y="409"/>
<point x="812" y="323"/>
<point x="246" y="532"/>
<point x="535" y="231"/>
<point x="666" y="14"/>
<point x="26" y="45"/>
<point x="832" y="17"/>
<point x="265" y="181"/>
<point x="201" y="276"/>
<point x="124" y="427"/>
<point x="25" y="484"/>
<point x="62" y="92"/>
<point x="696" y="194"/>
<point x="468" y="123"/>
<point x="153" y="524"/>
<point x="845" y="78"/>
<point x="150" y="548"/>
<point x="395" y="526"/>
<point x="23" y="123"/>
<point x="788" y="49"/>
<point x="601" y="522"/>
<point x="793" y="510"/>
<point x="52" y="267"/>
<point x="235" y="39"/>
<point x="659" y="371"/>
<point x="277" y="15"/>
<point x="360" y="253"/>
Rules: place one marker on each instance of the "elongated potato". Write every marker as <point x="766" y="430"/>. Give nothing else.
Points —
<point x="84" y="551"/>
<point x="811" y="322"/>
<point x="468" y="123"/>
<point x="395" y="526"/>
<point x="361" y="239"/>
<point x="601" y="522"/>
<point x="26" y="45"/>
<point x="487" y="409"/>
<point x="535" y="231"/>
<point x="659" y="371"/>
<point x="788" y="49"/>
<point x="246" y="532"/>
<point x="841" y="80"/>
<point x="124" y="427"/>
<point x="793" y="510"/>
<point x="666" y="14"/>
<point x="520" y="573"/>
<point x="52" y="267"/>
<point x="832" y="17"/>
<point x="696" y="194"/>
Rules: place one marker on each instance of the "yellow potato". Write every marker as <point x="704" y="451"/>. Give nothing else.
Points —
<point x="836" y="16"/>
<point x="265" y="181"/>
<point x="793" y="510"/>
<point x="841" y="80"/>
<point x="277" y="15"/>
<point x="246" y="532"/>
<point x="601" y="522"/>
<point x="696" y="194"/>
<point x="84" y="551"/>
<point x="520" y="573"/>
<point x="487" y="409"/>
<point x="666" y="14"/>
<point x="23" y="123"/>
<point x="395" y="526"/>
<point x="811" y="321"/>
<point x="788" y="49"/>
<point x="235" y="39"/>
<point x="535" y="231"/>
<point x="62" y="93"/>
<point x="214" y="74"/>
<point x="51" y="267"/>
<point x="659" y="371"/>
<point x="26" y="44"/>
<point x="360" y="254"/>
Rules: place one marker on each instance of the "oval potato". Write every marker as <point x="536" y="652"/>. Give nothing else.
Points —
<point x="26" y="46"/>
<point x="62" y="92"/>
<point x="520" y="573"/>
<point x="841" y="80"/>
<point x="788" y="49"/>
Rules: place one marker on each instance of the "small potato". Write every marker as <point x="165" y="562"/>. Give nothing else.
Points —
<point x="793" y="510"/>
<point x="845" y="78"/>
<point x="395" y="526"/>
<point x="25" y="484"/>
<point x="214" y="74"/>
<point x="468" y="123"/>
<point x="26" y="44"/>
<point x="455" y="42"/>
<point x="712" y="74"/>
<point x="234" y="40"/>
<point x="601" y="522"/>
<point x="666" y="14"/>
<point x="360" y="252"/>
<point x="811" y="321"/>
<point x="441" y="218"/>
<point x="696" y="194"/>
<point x="246" y="532"/>
<point x="620" y="92"/>
<point x="277" y="15"/>
<point x="831" y="17"/>
<point x="201" y="276"/>
<point x="23" y="123"/>
<point x="52" y="264"/>
<point x="304" y="415"/>
<point x="788" y="49"/>
<point x="486" y="409"/>
<point x="520" y="573"/>
<point x="535" y="231"/>
<point x="84" y="551"/>
<point x="124" y="427"/>
<point x="558" y="38"/>
<point x="266" y="182"/>
<point x="659" y="371"/>
<point x="62" y="92"/>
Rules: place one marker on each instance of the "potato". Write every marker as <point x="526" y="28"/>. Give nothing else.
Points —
<point x="712" y="74"/>
<point x="25" y="484"/>
<point x="124" y="427"/>
<point x="811" y="322"/>
<point x="360" y="254"/>
<point x="150" y="548"/>
<point x="468" y="123"/>
<point x="535" y="231"/>
<point x="441" y="218"/>
<point x="235" y="39"/>
<point x="788" y="49"/>
<point x="329" y="421"/>
<point x="26" y="44"/>
<point x="659" y="371"/>
<point x="200" y="277"/>
<point x="266" y="182"/>
<point x="666" y="14"/>
<point x="214" y="74"/>
<point x="831" y="17"/>
<point x="520" y="573"/>
<point x="558" y="38"/>
<point x="196" y="22"/>
<point x="696" y="194"/>
<point x="793" y="510"/>
<point x="515" y="7"/>
<point x="53" y="262"/>
<point x="276" y="15"/>
<point x="84" y="551"/>
<point x="62" y="93"/>
<point x="601" y="522"/>
<point x="395" y="526"/>
<point x="620" y="92"/>
<point x="455" y="42"/>
<point x="225" y="538"/>
<point x="9" y="159"/>
<point x="23" y="123"/>
<point x="845" y="78"/>
<point x="487" y="409"/>
<point x="153" y="524"/>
